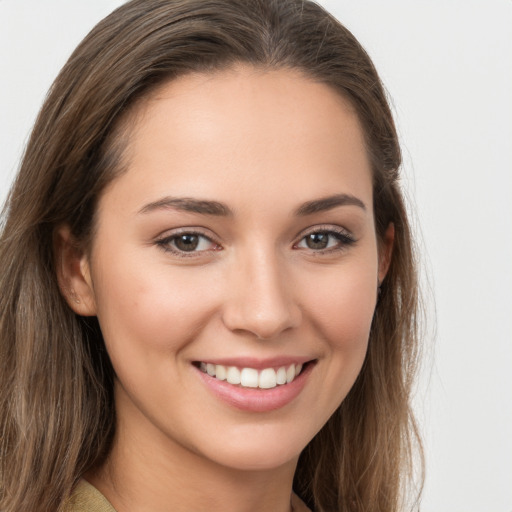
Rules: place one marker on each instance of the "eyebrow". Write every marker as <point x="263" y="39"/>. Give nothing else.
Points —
<point x="206" y="207"/>
<point x="189" y="204"/>
<point x="328" y="203"/>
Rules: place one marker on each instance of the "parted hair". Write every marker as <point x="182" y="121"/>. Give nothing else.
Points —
<point x="57" y="416"/>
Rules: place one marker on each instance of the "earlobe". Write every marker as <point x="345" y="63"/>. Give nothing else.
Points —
<point x="73" y="273"/>
<point x="386" y="251"/>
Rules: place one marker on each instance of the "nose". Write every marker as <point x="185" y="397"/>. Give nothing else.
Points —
<point x="261" y="298"/>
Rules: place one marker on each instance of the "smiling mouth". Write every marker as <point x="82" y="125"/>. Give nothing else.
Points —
<point x="266" y="378"/>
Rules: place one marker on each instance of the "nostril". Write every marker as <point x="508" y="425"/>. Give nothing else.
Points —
<point x="264" y="325"/>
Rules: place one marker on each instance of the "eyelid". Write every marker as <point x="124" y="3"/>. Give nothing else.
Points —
<point x="193" y="230"/>
<point x="321" y="228"/>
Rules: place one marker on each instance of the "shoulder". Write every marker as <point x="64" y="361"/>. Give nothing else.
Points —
<point x="86" y="498"/>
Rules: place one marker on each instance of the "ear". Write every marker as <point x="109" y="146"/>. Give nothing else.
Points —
<point x="73" y="273"/>
<point x="386" y="251"/>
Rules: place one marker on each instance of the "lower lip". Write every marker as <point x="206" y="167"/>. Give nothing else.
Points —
<point x="256" y="399"/>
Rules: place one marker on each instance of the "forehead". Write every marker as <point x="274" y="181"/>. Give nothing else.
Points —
<point x="249" y="131"/>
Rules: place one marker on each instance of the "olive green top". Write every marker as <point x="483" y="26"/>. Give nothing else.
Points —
<point x="86" y="498"/>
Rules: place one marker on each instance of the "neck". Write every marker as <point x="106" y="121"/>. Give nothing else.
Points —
<point x="148" y="471"/>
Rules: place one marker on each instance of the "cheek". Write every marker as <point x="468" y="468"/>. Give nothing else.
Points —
<point x="342" y="307"/>
<point x="144" y="308"/>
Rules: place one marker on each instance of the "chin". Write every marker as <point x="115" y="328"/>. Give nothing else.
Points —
<point x="262" y="453"/>
<point x="257" y="460"/>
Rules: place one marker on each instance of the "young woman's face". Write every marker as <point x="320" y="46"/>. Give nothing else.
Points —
<point x="239" y="244"/>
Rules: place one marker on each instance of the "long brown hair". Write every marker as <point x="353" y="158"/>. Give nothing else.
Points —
<point x="56" y="381"/>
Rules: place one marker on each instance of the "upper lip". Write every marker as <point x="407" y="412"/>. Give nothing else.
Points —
<point x="257" y="363"/>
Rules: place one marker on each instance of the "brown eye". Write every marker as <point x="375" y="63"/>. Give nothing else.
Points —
<point x="317" y="240"/>
<point x="187" y="242"/>
<point x="326" y="240"/>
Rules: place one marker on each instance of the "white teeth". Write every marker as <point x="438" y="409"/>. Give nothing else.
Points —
<point x="290" y="373"/>
<point x="233" y="375"/>
<point x="267" y="379"/>
<point x="220" y="372"/>
<point x="250" y="378"/>
<point x="281" y="375"/>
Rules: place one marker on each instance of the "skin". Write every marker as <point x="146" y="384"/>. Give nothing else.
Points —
<point x="263" y="143"/>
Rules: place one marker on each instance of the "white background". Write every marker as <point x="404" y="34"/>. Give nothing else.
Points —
<point x="447" y="65"/>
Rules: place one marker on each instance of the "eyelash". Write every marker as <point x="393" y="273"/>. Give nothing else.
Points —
<point x="343" y="237"/>
<point x="166" y="243"/>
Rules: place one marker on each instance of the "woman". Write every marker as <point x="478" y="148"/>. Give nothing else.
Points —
<point x="209" y="290"/>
